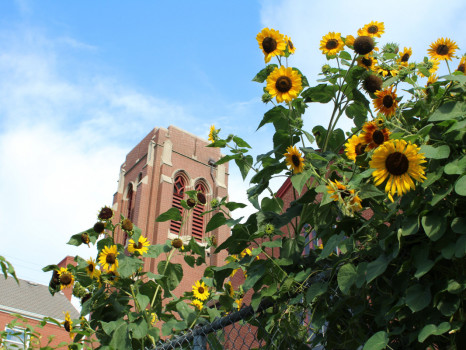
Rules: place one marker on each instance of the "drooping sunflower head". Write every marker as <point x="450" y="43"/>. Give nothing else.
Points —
<point x="213" y="133"/>
<point x="386" y="102"/>
<point x="398" y="162"/>
<point x="348" y="200"/>
<point x="200" y="290"/>
<point x="177" y="243"/>
<point x="65" y="277"/>
<point x="197" y="304"/>
<point x="363" y="45"/>
<point x="108" y="258"/>
<point x="68" y="324"/>
<point x="331" y="44"/>
<point x="140" y="247"/>
<point x="91" y="269"/>
<point x="373" y="29"/>
<point x="404" y="56"/>
<point x="284" y="84"/>
<point x="99" y="227"/>
<point x="372" y="83"/>
<point x="127" y="225"/>
<point x="105" y="213"/>
<point x="368" y="62"/>
<point x="461" y="65"/>
<point x="294" y="159"/>
<point x="354" y="147"/>
<point x="373" y="136"/>
<point x="289" y="45"/>
<point x="271" y="42"/>
<point x="442" y="49"/>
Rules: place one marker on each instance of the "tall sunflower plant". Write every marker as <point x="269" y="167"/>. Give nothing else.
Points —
<point x="385" y="200"/>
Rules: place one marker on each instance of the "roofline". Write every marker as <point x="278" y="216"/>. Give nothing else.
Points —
<point x="283" y="188"/>
<point x="32" y="315"/>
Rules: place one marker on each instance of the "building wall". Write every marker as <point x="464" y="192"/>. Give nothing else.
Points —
<point x="150" y="168"/>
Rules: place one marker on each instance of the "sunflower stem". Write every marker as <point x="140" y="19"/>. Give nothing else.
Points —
<point x="163" y="273"/>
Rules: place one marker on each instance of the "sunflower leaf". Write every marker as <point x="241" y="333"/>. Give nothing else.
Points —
<point x="171" y="214"/>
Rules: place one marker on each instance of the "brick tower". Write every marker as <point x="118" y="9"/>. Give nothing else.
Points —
<point x="154" y="178"/>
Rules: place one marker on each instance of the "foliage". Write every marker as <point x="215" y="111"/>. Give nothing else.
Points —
<point x="386" y="201"/>
<point x="7" y="268"/>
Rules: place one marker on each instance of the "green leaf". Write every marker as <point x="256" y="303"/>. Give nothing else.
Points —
<point x="458" y="225"/>
<point x="418" y="297"/>
<point x="190" y="260"/>
<point x="346" y="277"/>
<point x="457" y="167"/>
<point x="171" y="214"/>
<point x="157" y="249"/>
<point x="345" y="55"/>
<point x="233" y="205"/>
<point x="244" y="164"/>
<point x="376" y="268"/>
<point x="264" y="73"/>
<point x="128" y="265"/>
<point x="216" y="221"/>
<point x="448" y="304"/>
<point x="377" y="342"/>
<point x="432" y="152"/>
<point x="459" y="78"/>
<point x="448" y="111"/>
<point x="272" y="244"/>
<point x="315" y="290"/>
<point x="410" y="225"/>
<point x="434" y="226"/>
<point x="273" y="115"/>
<point x="240" y="142"/>
<point x="432" y="329"/>
<point x="299" y="180"/>
<point x="227" y="158"/>
<point x="173" y="272"/>
<point x="460" y="186"/>
<point x="322" y="93"/>
<point x="272" y="204"/>
<point x="138" y="328"/>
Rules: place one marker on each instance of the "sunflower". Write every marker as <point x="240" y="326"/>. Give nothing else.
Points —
<point x="354" y="147"/>
<point x="140" y="247"/>
<point x="284" y="83"/>
<point x="294" y="159"/>
<point x="372" y="83"/>
<point x="442" y="49"/>
<point x="331" y="43"/>
<point x="289" y="44"/>
<point x="271" y="42"/>
<point x="91" y="269"/>
<point x="112" y="277"/>
<point x="404" y="56"/>
<point x="65" y="278"/>
<point x="432" y="79"/>
<point x="238" y="303"/>
<point x="349" y="41"/>
<point x="153" y="319"/>
<point x="373" y="136"/>
<point x="197" y="304"/>
<point x="386" y="102"/>
<point x="246" y="252"/>
<point x="105" y="213"/>
<point x="461" y="65"/>
<point x="386" y="71"/>
<point x="397" y="161"/>
<point x="108" y="258"/>
<point x="213" y="133"/>
<point x="200" y="291"/>
<point x="177" y="243"/>
<point x="431" y="66"/>
<point x="229" y="289"/>
<point x="367" y="61"/>
<point x="68" y="324"/>
<point x="373" y="29"/>
<point x="347" y="198"/>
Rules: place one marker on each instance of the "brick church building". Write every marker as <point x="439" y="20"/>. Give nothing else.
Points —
<point x="154" y="178"/>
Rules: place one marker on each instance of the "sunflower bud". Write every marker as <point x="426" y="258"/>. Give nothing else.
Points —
<point x="326" y="68"/>
<point x="79" y="291"/>
<point x="363" y="45"/>
<point x="372" y="83"/>
<point x="99" y="227"/>
<point x="105" y="213"/>
<point x="214" y="203"/>
<point x="127" y="225"/>
<point x="201" y="198"/>
<point x="269" y="229"/>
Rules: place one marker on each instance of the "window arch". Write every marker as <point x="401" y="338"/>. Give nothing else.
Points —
<point x="179" y="186"/>
<point x="198" y="220"/>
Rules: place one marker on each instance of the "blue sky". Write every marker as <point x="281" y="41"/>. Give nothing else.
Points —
<point x="82" y="82"/>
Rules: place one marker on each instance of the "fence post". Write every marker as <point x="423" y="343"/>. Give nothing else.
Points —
<point x="200" y="342"/>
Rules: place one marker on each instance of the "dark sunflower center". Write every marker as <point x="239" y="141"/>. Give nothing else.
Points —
<point x="296" y="161"/>
<point x="397" y="163"/>
<point x="359" y="149"/>
<point x="405" y="57"/>
<point x="110" y="259"/>
<point x="373" y="29"/>
<point x="366" y="61"/>
<point x="442" y="50"/>
<point x="67" y="326"/>
<point x="387" y="101"/>
<point x="269" y="44"/>
<point x="200" y="290"/>
<point x="345" y="194"/>
<point x="378" y="137"/>
<point x="65" y="279"/>
<point x="138" y="245"/>
<point x="461" y="68"/>
<point x="331" y="44"/>
<point x="283" y="84"/>
<point x="90" y="267"/>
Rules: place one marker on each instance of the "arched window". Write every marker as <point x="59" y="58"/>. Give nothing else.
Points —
<point x="178" y="193"/>
<point x="198" y="220"/>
